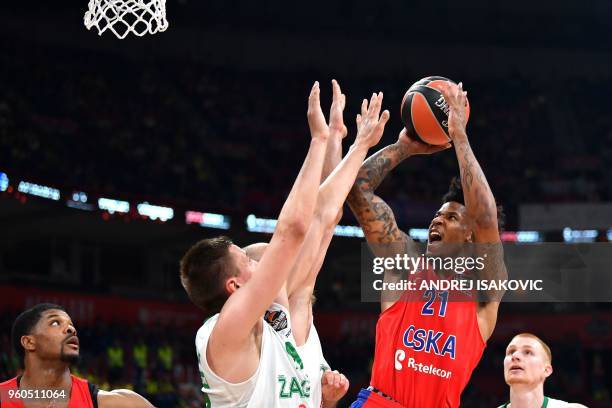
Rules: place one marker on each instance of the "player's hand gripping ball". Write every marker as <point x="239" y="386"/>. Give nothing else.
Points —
<point x="425" y="112"/>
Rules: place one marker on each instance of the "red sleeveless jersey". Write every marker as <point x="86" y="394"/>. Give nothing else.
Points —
<point x="427" y="346"/>
<point x="80" y="394"/>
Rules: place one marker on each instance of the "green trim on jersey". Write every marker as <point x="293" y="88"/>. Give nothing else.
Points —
<point x="544" y="403"/>
<point x="207" y="403"/>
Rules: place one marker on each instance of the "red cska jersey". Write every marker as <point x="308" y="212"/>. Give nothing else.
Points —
<point x="427" y="347"/>
<point x="82" y="395"/>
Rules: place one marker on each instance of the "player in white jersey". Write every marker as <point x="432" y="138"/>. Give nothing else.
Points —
<point x="244" y="361"/>
<point x="528" y="363"/>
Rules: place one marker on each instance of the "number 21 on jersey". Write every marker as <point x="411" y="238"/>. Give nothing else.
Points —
<point x="428" y="307"/>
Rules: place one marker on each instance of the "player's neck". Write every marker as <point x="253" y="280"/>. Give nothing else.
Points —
<point x="46" y="375"/>
<point x="526" y="396"/>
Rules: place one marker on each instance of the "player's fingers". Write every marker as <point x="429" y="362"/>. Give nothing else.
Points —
<point x="444" y="90"/>
<point x="457" y="90"/>
<point x="372" y="104"/>
<point x="379" y="104"/>
<point x="344" y="382"/>
<point x="313" y="99"/>
<point x="459" y="95"/>
<point x="375" y="105"/>
<point x="335" y="91"/>
<point x="380" y="127"/>
<point x="435" y="149"/>
<point x="314" y="92"/>
<point x="364" y="107"/>
<point x="341" y="97"/>
<point x="358" y="120"/>
<point x="384" y="118"/>
<point x="324" y="379"/>
<point x="336" y="379"/>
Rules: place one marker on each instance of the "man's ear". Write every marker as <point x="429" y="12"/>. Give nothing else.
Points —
<point x="28" y="342"/>
<point x="548" y="370"/>
<point x="231" y="285"/>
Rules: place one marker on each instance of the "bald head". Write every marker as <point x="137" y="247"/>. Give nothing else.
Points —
<point x="256" y="251"/>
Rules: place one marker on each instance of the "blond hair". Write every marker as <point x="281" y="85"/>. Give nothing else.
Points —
<point x="544" y="345"/>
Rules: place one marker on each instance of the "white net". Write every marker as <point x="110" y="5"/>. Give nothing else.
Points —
<point x="127" y="16"/>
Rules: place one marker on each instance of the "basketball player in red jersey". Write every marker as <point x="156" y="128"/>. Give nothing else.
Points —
<point x="46" y="340"/>
<point x="426" y="350"/>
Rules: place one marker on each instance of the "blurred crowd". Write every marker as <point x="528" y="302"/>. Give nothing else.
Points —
<point x="231" y="140"/>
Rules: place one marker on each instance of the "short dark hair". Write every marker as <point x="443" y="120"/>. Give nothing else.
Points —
<point x="455" y="193"/>
<point x="25" y="322"/>
<point x="203" y="271"/>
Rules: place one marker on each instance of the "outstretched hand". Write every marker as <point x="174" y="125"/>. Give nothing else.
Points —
<point x="456" y="98"/>
<point x="370" y="123"/>
<point x="319" y="129"/>
<point x="316" y="119"/>
<point x="336" y="121"/>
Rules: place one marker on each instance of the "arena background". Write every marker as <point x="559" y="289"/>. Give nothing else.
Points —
<point x="208" y="119"/>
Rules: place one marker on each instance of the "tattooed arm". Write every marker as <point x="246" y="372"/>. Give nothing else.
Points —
<point x="479" y="203"/>
<point x="332" y="195"/>
<point x="374" y="215"/>
<point x="479" y="200"/>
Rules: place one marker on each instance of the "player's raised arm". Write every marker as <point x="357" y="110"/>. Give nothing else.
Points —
<point x="337" y="131"/>
<point x="333" y="155"/>
<point x="246" y="306"/>
<point x="314" y="241"/>
<point x="335" y="188"/>
<point x="479" y="203"/>
<point x="332" y="194"/>
<point x="479" y="200"/>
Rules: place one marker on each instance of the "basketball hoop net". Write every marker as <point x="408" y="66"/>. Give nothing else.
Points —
<point x="127" y="16"/>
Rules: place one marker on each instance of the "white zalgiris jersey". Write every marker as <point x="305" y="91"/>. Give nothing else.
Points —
<point x="287" y="376"/>
<point x="548" y="403"/>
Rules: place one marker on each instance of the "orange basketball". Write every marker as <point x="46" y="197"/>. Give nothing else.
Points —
<point x="425" y="112"/>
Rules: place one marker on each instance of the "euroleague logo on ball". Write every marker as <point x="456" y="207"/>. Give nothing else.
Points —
<point x="424" y="111"/>
<point x="443" y="106"/>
